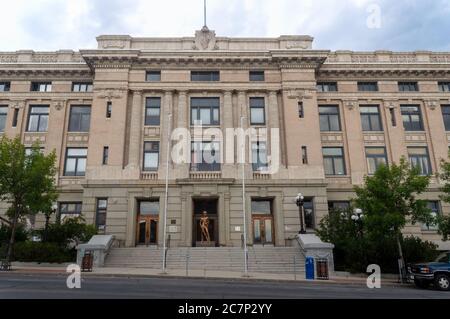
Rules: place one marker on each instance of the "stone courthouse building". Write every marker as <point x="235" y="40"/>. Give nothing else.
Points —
<point x="107" y="113"/>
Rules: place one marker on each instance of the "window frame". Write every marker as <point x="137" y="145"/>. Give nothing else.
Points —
<point x="444" y="86"/>
<point x="323" y="85"/>
<point x="421" y="156"/>
<point x="5" y="86"/>
<point x="39" y="115"/>
<point x="74" y="212"/>
<point x="446" y="116"/>
<point x="105" y="155"/>
<point x="366" y="86"/>
<point x="257" y="75"/>
<point x="80" y="119"/>
<point x="100" y="211"/>
<point x="36" y="86"/>
<point x="211" y="109"/>
<point x="328" y="115"/>
<point x="409" y="127"/>
<point x="4" y="116"/>
<point x="438" y="212"/>
<point x="263" y="107"/>
<point x="77" y="158"/>
<point x="89" y="87"/>
<point x="150" y="120"/>
<point x="412" y="86"/>
<point x="145" y="152"/>
<point x="376" y="157"/>
<point x="333" y="158"/>
<point x="199" y="167"/>
<point x="259" y="166"/>
<point x="150" y="73"/>
<point x="214" y="76"/>
<point x="370" y="116"/>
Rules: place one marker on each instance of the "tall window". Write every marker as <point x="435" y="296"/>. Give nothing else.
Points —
<point x="3" y="114"/>
<point x="443" y="86"/>
<point x="446" y="116"/>
<point x="329" y="118"/>
<point x="256" y="76"/>
<point x="151" y="156"/>
<point x="435" y="212"/>
<point x="108" y="109"/>
<point x="152" y="110"/>
<point x="100" y="214"/>
<point x="80" y="119"/>
<point x="105" y="157"/>
<point x="259" y="156"/>
<point x="304" y="155"/>
<point x="205" y="110"/>
<point x="257" y="111"/>
<point x="82" y="86"/>
<point x="75" y="162"/>
<point x="333" y="158"/>
<point x="205" y="156"/>
<point x="153" y="76"/>
<point x="412" y="117"/>
<point x="205" y="76"/>
<point x="69" y="210"/>
<point x="367" y="86"/>
<point x="408" y="87"/>
<point x="15" y="117"/>
<point x="41" y="86"/>
<point x="375" y="157"/>
<point x="38" y="118"/>
<point x="338" y="206"/>
<point x="308" y="207"/>
<point x="327" y="87"/>
<point x="370" y="118"/>
<point x="301" y="111"/>
<point x="418" y="158"/>
<point x="5" y="86"/>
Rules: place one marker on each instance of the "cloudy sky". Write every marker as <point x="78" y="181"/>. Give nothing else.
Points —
<point x="400" y="25"/>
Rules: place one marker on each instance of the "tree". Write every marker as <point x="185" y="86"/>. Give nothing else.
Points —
<point x="388" y="200"/>
<point x="444" y="221"/>
<point x="27" y="183"/>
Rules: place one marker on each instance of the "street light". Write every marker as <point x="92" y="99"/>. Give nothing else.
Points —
<point x="300" y="200"/>
<point x="358" y="217"/>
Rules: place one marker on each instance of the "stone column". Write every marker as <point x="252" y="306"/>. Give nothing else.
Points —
<point x="134" y="148"/>
<point x="228" y="144"/>
<point x="182" y="123"/>
<point x="273" y="119"/>
<point x="166" y="110"/>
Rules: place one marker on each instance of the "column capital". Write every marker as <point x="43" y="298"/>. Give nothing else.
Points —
<point x="137" y="92"/>
<point x="168" y="92"/>
<point x="273" y="92"/>
<point x="182" y="92"/>
<point x="228" y="93"/>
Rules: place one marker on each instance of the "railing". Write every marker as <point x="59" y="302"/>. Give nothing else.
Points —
<point x="261" y="176"/>
<point x="205" y="175"/>
<point x="149" y="175"/>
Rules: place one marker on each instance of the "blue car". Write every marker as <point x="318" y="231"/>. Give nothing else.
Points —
<point x="436" y="273"/>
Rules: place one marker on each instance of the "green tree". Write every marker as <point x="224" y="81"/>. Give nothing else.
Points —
<point x="388" y="200"/>
<point x="444" y="221"/>
<point x="27" y="183"/>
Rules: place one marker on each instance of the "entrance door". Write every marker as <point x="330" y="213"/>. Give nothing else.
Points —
<point x="262" y="222"/>
<point x="147" y="222"/>
<point x="208" y="205"/>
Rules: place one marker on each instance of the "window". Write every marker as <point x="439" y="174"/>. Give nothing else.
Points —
<point x="308" y="209"/>
<point x="15" y="117"/>
<point x="301" y="112"/>
<point x="261" y="207"/>
<point x="259" y="156"/>
<point x="393" y="118"/>
<point x="29" y="150"/>
<point x="367" y="86"/>
<point x="327" y="87"/>
<point x="205" y="156"/>
<point x="257" y="111"/>
<point x="412" y="117"/>
<point x="443" y="86"/>
<point x="329" y="118"/>
<point x="149" y="207"/>
<point x="5" y="86"/>
<point x="408" y="87"/>
<point x="256" y="76"/>
<point x="333" y="158"/>
<point x="418" y="158"/>
<point x="205" y="111"/>
<point x="105" y="155"/>
<point x="370" y="118"/>
<point x="151" y="156"/>
<point x="100" y="214"/>
<point x="3" y="114"/>
<point x="375" y="156"/>
<point x="82" y="86"/>
<point x="205" y="76"/>
<point x="338" y="206"/>
<point x="304" y="155"/>
<point x="152" y="110"/>
<point x="108" y="109"/>
<point x="69" y="210"/>
<point x="80" y="119"/>
<point x="41" y="86"/>
<point x="153" y="76"/>
<point x="446" y="116"/>
<point x="435" y="212"/>
<point x="38" y="118"/>
<point x="75" y="162"/>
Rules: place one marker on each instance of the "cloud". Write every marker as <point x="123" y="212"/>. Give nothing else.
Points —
<point x="74" y="24"/>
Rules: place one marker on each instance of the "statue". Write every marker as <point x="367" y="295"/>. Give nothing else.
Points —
<point x="204" y="223"/>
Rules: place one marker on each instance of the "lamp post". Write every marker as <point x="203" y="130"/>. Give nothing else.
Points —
<point x="300" y="201"/>
<point x="357" y="217"/>
<point x="243" y="199"/>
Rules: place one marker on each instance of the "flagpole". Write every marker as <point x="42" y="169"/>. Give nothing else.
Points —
<point x="167" y="192"/>
<point x="244" y="215"/>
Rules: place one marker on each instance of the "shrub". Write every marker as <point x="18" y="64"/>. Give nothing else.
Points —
<point x="417" y="250"/>
<point x="43" y="252"/>
<point x="20" y="235"/>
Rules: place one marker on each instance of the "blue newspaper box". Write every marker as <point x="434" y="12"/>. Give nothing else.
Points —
<point x="309" y="268"/>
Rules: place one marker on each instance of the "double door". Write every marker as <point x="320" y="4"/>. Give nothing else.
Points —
<point x="147" y="230"/>
<point x="263" y="230"/>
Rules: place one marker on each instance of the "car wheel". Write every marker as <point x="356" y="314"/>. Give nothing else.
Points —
<point x="421" y="283"/>
<point x="442" y="282"/>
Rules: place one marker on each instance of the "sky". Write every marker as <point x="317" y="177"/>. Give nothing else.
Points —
<point x="358" y="25"/>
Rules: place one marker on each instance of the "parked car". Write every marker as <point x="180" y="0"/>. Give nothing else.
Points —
<point x="436" y="273"/>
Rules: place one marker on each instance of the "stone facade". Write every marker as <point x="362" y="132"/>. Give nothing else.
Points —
<point x="292" y="69"/>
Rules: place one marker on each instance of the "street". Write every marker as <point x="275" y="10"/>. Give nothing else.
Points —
<point x="53" y="286"/>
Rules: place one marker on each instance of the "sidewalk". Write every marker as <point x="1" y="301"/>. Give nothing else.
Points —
<point x="34" y="268"/>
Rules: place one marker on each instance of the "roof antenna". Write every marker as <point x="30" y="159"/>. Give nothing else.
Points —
<point x="205" y="27"/>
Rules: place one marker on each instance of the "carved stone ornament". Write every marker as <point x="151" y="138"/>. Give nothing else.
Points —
<point x="351" y="104"/>
<point x="114" y="44"/>
<point x="205" y="39"/>
<point x="17" y="104"/>
<point x="390" y="104"/>
<point x="301" y="94"/>
<point x="59" y="105"/>
<point x="432" y="104"/>
<point x="109" y="95"/>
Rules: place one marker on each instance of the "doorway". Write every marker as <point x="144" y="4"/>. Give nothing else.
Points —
<point x="210" y="206"/>
<point x="147" y="222"/>
<point x="262" y="222"/>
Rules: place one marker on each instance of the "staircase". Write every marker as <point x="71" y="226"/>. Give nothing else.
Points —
<point x="260" y="259"/>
